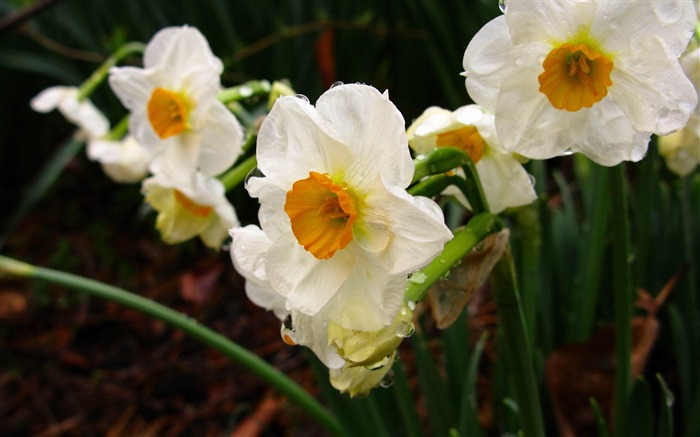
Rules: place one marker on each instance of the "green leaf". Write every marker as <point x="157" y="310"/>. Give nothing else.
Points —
<point x="666" y="401"/>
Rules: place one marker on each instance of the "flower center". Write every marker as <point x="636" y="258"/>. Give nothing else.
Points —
<point x="190" y="206"/>
<point x="466" y="138"/>
<point x="575" y="76"/>
<point x="167" y="112"/>
<point x="322" y="214"/>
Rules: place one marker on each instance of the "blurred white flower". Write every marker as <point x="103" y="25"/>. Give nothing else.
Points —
<point x="341" y="232"/>
<point x="175" y="113"/>
<point x="681" y="149"/>
<point x="125" y="161"/>
<point x="594" y="77"/>
<point x="504" y="180"/>
<point x="82" y="113"/>
<point x="188" y="206"/>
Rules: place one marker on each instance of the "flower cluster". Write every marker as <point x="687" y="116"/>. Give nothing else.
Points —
<point x="339" y="234"/>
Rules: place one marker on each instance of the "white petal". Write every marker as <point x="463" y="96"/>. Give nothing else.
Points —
<point x="133" y="86"/>
<point x="222" y="138"/>
<point x="248" y="250"/>
<point x="308" y="283"/>
<point x="560" y="21"/>
<point x="505" y="182"/>
<point x="371" y="126"/>
<point x="294" y="140"/>
<point x="49" y="99"/>
<point x="487" y="62"/>
<point x="369" y="299"/>
<point x="620" y="26"/>
<point x="416" y="227"/>
<point x="652" y="90"/>
<point x="420" y="137"/>
<point x="180" y="49"/>
<point x="313" y="332"/>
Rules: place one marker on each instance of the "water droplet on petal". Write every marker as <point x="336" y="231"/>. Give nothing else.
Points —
<point x="254" y="173"/>
<point x="302" y="97"/>
<point x="337" y="83"/>
<point x="404" y="329"/>
<point x="287" y="323"/>
<point x="502" y="5"/>
<point x="388" y="380"/>
<point x="379" y="364"/>
<point x="532" y="179"/>
<point x="287" y="335"/>
<point x="568" y="152"/>
<point x="411" y="305"/>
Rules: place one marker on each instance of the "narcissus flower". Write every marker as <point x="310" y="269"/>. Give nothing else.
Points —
<point x="503" y="178"/>
<point x="595" y="77"/>
<point x="189" y="206"/>
<point x="124" y="161"/>
<point x="82" y="113"/>
<point x="681" y="149"/>
<point x="343" y="233"/>
<point x="175" y="113"/>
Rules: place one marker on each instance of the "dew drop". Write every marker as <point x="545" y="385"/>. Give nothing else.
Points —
<point x="418" y="277"/>
<point x="245" y="91"/>
<point x="502" y="5"/>
<point x="379" y="364"/>
<point x="532" y="179"/>
<point x="254" y="173"/>
<point x="337" y="83"/>
<point x="388" y="380"/>
<point x="568" y="152"/>
<point x="411" y="305"/>
<point x="405" y="329"/>
<point x="302" y="97"/>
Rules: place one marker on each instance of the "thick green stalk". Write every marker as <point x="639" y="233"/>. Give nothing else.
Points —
<point x="99" y="75"/>
<point x="237" y="174"/>
<point x="187" y="325"/>
<point x="623" y="295"/>
<point x="243" y="91"/>
<point x="517" y="346"/>
<point x="457" y="248"/>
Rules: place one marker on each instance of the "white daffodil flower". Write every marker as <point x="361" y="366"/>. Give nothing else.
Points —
<point x="125" y="161"/>
<point x="175" y="113"/>
<point x="681" y="149"/>
<point x="194" y="205"/>
<point x="82" y="113"/>
<point x="343" y="233"/>
<point x="504" y="180"/>
<point x="596" y="77"/>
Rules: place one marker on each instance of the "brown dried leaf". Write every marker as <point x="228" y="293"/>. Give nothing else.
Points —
<point x="196" y="287"/>
<point x="449" y="296"/>
<point x="12" y="303"/>
<point x="578" y="372"/>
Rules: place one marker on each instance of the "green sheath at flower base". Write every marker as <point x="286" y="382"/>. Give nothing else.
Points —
<point x="185" y="324"/>
<point x="445" y="159"/>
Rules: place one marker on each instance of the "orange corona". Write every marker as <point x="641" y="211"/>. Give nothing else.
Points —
<point x="322" y="214"/>
<point x="575" y="76"/>
<point x="167" y="112"/>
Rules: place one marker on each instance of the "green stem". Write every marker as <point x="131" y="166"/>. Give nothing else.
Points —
<point x="517" y="346"/>
<point x="187" y="325"/>
<point x="237" y="174"/>
<point x="99" y="75"/>
<point x="446" y="159"/>
<point x="119" y="130"/>
<point x="457" y="248"/>
<point x="243" y="91"/>
<point x="623" y="295"/>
